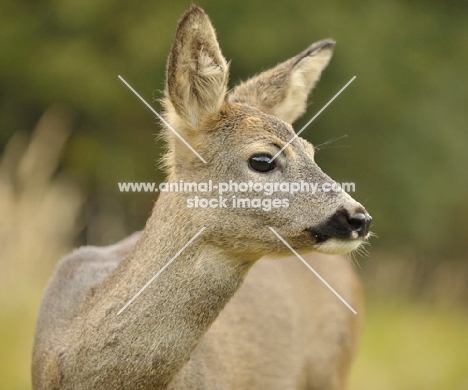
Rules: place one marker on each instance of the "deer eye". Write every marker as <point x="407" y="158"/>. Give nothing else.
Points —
<point x="261" y="163"/>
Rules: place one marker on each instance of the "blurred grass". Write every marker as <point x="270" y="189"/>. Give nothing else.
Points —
<point x="39" y="212"/>
<point x="412" y="346"/>
<point x="16" y="335"/>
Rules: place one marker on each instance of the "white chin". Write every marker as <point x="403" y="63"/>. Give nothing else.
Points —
<point x="335" y="246"/>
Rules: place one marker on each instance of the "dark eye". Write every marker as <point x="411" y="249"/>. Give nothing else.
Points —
<point x="261" y="163"/>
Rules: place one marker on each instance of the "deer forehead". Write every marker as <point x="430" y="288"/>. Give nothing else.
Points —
<point x="245" y="124"/>
<point x="240" y="130"/>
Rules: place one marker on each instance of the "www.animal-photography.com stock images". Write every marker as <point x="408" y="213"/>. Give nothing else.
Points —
<point x="239" y="195"/>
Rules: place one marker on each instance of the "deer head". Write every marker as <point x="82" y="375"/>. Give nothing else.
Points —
<point x="238" y="133"/>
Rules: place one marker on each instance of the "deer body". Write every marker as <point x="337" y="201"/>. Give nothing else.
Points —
<point x="281" y="330"/>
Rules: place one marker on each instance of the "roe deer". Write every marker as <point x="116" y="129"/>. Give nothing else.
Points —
<point x="283" y="329"/>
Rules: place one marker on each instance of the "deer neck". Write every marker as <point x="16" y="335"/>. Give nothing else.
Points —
<point x="169" y="229"/>
<point x="165" y="323"/>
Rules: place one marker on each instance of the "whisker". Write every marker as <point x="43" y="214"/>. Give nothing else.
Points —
<point x="326" y="144"/>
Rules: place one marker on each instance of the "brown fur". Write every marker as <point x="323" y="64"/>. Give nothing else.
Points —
<point x="282" y="329"/>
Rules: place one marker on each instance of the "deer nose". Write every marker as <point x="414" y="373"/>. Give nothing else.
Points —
<point x="360" y="223"/>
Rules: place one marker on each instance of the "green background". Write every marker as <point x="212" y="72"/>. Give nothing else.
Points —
<point x="399" y="131"/>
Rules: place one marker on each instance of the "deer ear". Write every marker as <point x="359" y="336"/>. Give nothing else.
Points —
<point x="197" y="72"/>
<point x="283" y="90"/>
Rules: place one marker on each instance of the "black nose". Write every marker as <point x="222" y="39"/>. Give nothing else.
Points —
<point x="360" y="223"/>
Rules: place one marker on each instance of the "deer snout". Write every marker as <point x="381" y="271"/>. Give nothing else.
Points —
<point x="343" y="224"/>
<point x="342" y="232"/>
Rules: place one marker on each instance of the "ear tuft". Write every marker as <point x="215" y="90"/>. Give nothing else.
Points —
<point x="283" y="90"/>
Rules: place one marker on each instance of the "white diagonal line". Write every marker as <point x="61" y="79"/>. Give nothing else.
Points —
<point x="160" y="271"/>
<point x="162" y="119"/>
<point x="314" y="271"/>
<point x="310" y="121"/>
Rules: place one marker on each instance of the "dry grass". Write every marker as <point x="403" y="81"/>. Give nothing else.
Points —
<point x="38" y="214"/>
